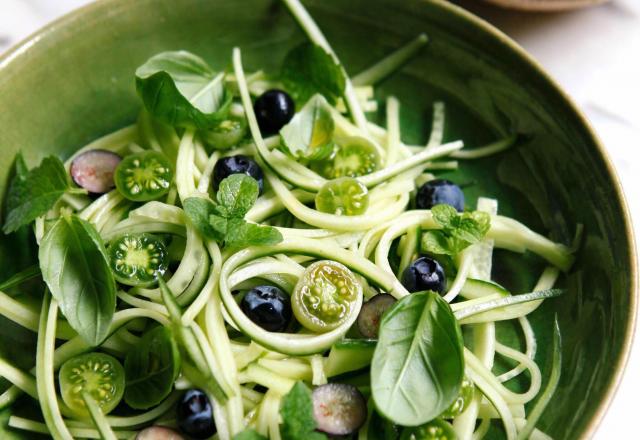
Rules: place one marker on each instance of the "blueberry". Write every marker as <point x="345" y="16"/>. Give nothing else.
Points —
<point x="424" y="274"/>
<point x="195" y="415"/>
<point x="237" y="165"/>
<point x="440" y="191"/>
<point x="274" y="108"/>
<point x="268" y="307"/>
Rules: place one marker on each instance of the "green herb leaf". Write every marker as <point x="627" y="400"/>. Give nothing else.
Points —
<point x="33" y="193"/>
<point x="151" y="368"/>
<point x="309" y="134"/>
<point x="249" y="434"/>
<point x="308" y="69"/>
<point x="180" y="89"/>
<point x="224" y="221"/>
<point x="296" y="411"/>
<point x="200" y="210"/>
<point x="241" y="234"/>
<point x="418" y="363"/>
<point x="236" y="195"/>
<point x="75" y="266"/>
<point x="23" y="276"/>
<point x="444" y="215"/>
<point x="458" y="232"/>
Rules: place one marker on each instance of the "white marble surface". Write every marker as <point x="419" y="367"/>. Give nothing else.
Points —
<point x="594" y="54"/>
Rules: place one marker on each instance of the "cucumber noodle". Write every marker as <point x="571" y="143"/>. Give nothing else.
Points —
<point x="204" y="276"/>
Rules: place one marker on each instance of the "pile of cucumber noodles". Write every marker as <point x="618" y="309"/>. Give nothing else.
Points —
<point x="206" y="242"/>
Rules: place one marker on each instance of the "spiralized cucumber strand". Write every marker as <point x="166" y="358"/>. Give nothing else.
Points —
<point x="270" y="204"/>
<point x="554" y="379"/>
<point x="98" y="418"/>
<point x="19" y="378"/>
<point x="205" y="179"/>
<point x="393" y="130"/>
<point x="330" y="221"/>
<point x="44" y="369"/>
<point x="509" y="396"/>
<point x="479" y="375"/>
<point x="421" y="158"/>
<point x="509" y="307"/>
<point x="41" y="428"/>
<point x="390" y="63"/>
<point x="184" y="172"/>
<point x="487" y="150"/>
<point x="437" y="126"/>
<point x="315" y="35"/>
<point x="466" y="260"/>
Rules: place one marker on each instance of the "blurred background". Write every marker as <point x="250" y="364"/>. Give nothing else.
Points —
<point x="594" y="53"/>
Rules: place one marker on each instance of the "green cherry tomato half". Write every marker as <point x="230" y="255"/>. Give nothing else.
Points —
<point x="138" y="259"/>
<point x="355" y="157"/>
<point x="461" y="403"/>
<point x="144" y="176"/>
<point x="99" y="375"/>
<point x="225" y="134"/>
<point x="325" y="296"/>
<point x="343" y="196"/>
<point x="436" y="429"/>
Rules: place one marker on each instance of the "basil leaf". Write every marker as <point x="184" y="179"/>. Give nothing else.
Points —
<point x="74" y="265"/>
<point x="309" y="134"/>
<point x="34" y="193"/>
<point x="249" y="434"/>
<point x="308" y="69"/>
<point x="180" y="89"/>
<point x="296" y="411"/>
<point x="151" y="368"/>
<point x="236" y="195"/>
<point x="418" y="364"/>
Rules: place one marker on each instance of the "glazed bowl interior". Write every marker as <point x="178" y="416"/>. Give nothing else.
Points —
<point x="73" y="82"/>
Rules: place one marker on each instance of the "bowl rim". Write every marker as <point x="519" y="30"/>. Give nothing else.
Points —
<point x="22" y="47"/>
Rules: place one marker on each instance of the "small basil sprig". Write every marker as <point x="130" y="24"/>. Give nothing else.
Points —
<point x="309" y="134"/>
<point x="75" y="266"/>
<point x="418" y="364"/>
<point x="458" y="232"/>
<point x="33" y="193"/>
<point x="151" y="367"/>
<point x="308" y="69"/>
<point x="224" y="221"/>
<point x="180" y="89"/>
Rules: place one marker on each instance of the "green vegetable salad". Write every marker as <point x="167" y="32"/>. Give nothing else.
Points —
<point x="255" y="259"/>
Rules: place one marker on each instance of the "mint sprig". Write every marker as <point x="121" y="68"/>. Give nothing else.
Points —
<point x="459" y="230"/>
<point x="223" y="220"/>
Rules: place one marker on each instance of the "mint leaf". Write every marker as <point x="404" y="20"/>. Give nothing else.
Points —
<point x="444" y="215"/>
<point x="435" y="242"/>
<point x="296" y="411"/>
<point x="458" y="232"/>
<point x="241" y="233"/>
<point x="307" y="69"/>
<point x="200" y="210"/>
<point x="236" y="195"/>
<point x="249" y="434"/>
<point x="180" y="89"/>
<point x="224" y="221"/>
<point x="309" y="135"/>
<point x="33" y="193"/>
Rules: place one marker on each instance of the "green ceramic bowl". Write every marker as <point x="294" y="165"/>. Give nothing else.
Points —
<point x="73" y="81"/>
